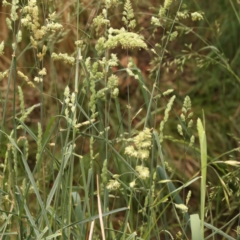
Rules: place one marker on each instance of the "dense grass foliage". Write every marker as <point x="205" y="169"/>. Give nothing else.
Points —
<point x="120" y="119"/>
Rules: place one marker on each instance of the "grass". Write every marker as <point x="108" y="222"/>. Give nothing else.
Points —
<point x="108" y="140"/>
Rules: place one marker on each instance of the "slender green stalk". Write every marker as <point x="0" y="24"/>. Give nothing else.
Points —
<point x="203" y="149"/>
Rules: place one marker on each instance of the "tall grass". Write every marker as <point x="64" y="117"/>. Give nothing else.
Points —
<point x="104" y="148"/>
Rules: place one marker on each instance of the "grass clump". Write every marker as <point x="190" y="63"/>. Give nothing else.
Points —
<point x="85" y="159"/>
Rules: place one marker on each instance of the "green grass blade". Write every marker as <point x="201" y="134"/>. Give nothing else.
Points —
<point x="52" y="236"/>
<point x="92" y="218"/>
<point x="29" y="215"/>
<point x="31" y="178"/>
<point x="132" y="236"/>
<point x="42" y="233"/>
<point x="174" y="191"/>
<point x="195" y="227"/>
<point x="203" y="149"/>
<point x="58" y="178"/>
<point x="225" y="225"/>
<point x="77" y="205"/>
<point x="218" y="231"/>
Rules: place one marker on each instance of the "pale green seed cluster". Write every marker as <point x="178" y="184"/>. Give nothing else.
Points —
<point x="128" y="15"/>
<point x="63" y="57"/>
<point x="101" y="20"/>
<point x="70" y="107"/>
<point x="2" y="48"/>
<point x="54" y="27"/>
<point x="153" y="186"/>
<point x="39" y="143"/>
<point x="9" y="23"/>
<point x="19" y="36"/>
<point x="197" y="16"/>
<point x="108" y="63"/>
<point x="173" y="36"/>
<point x="180" y="130"/>
<point x="188" y="197"/>
<point x="166" y="115"/>
<point x="21" y="98"/>
<point x="100" y="46"/>
<point x="6" y="4"/>
<point x="168" y="92"/>
<point x="31" y="21"/>
<point x="113" y="85"/>
<point x="142" y="144"/>
<point x="15" y="6"/>
<point x="186" y="118"/>
<point x="167" y="4"/>
<point x="182" y="14"/>
<point x="24" y="113"/>
<point x="132" y="184"/>
<point x="5" y="165"/>
<point x="25" y="145"/>
<point x="129" y="70"/>
<point x="113" y="185"/>
<point x="155" y="21"/>
<point x="96" y="73"/>
<point x="143" y="172"/>
<point x="111" y="3"/>
<point x="163" y="9"/>
<point x="40" y="55"/>
<point x="69" y="101"/>
<point x="15" y="159"/>
<point x="4" y="74"/>
<point x="104" y="174"/>
<point x="41" y="73"/>
<point x="186" y="104"/>
<point x="182" y="207"/>
<point x="124" y="38"/>
<point x="140" y="149"/>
